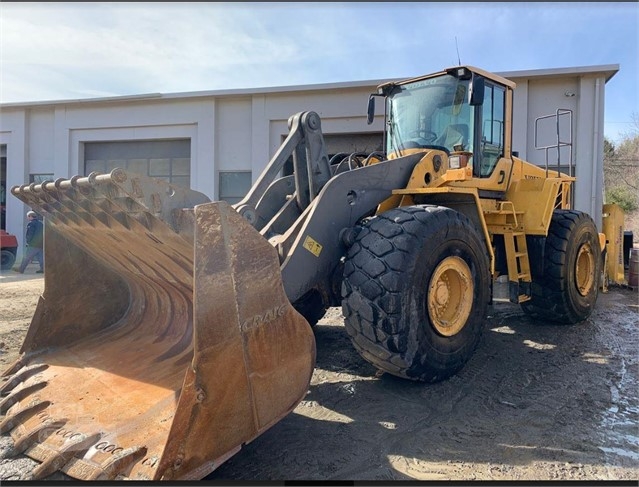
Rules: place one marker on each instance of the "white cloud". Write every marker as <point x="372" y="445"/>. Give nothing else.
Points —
<point x="132" y="36"/>
<point x="75" y="50"/>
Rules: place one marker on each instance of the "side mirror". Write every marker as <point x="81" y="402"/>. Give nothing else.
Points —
<point x="476" y="91"/>
<point x="371" y="110"/>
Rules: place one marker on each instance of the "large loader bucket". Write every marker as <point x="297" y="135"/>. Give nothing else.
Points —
<point x="163" y="341"/>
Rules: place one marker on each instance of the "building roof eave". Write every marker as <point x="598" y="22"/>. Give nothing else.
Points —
<point x="609" y="70"/>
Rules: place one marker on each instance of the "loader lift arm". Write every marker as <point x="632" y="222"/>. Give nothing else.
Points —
<point x="307" y="215"/>
<point x="311" y="169"/>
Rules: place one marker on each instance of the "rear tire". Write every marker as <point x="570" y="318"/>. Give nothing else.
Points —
<point x="568" y="289"/>
<point x="415" y="291"/>
<point x="8" y="258"/>
<point x="311" y="307"/>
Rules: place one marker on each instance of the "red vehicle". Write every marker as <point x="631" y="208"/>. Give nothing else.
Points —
<point x="9" y="248"/>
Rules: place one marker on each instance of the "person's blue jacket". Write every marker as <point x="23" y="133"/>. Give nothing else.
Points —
<point x="34" y="233"/>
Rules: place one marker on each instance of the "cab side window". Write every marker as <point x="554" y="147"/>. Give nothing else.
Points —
<point x="492" y="138"/>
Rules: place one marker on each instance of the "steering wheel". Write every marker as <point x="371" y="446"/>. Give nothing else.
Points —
<point x="423" y="137"/>
<point x="421" y="144"/>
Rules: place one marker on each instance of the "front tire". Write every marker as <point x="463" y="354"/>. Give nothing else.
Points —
<point x="311" y="306"/>
<point x="8" y="259"/>
<point x="415" y="291"/>
<point x="568" y="289"/>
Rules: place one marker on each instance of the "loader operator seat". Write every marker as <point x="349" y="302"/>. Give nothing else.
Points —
<point x="455" y="134"/>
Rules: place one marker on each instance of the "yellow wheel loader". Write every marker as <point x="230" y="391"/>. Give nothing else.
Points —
<point x="173" y="330"/>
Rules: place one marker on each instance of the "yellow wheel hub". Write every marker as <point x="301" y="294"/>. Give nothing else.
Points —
<point x="585" y="270"/>
<point x="450" y="296"/>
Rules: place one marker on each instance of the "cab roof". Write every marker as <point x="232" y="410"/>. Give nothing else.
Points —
<point x="486" y="74"/>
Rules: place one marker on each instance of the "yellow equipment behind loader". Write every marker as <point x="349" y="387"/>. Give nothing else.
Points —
<point x="173" y="330"/>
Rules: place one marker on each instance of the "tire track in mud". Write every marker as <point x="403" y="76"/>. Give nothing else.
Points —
<point x="619" y="423"/>
<point x="525" y="407"/>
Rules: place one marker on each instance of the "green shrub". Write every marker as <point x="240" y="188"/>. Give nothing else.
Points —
<point x="624" y="197"/>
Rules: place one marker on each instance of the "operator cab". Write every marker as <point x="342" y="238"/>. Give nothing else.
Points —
<point x="459" y="111"/>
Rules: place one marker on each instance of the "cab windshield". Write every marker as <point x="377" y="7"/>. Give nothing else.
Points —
<point x="431" y="113"/>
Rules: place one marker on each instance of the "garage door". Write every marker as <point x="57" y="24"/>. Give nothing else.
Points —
<point x="163" y="159"/>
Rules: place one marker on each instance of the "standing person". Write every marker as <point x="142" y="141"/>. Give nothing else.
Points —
<point x="34" y="239"/>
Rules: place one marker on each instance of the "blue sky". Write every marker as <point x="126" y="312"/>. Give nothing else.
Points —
<point x="53" y="51"/>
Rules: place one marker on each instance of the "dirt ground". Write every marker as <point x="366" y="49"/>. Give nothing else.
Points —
<point x="536" y="402"/>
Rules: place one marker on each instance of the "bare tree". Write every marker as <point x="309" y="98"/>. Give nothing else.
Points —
<point x="621" y="168"/>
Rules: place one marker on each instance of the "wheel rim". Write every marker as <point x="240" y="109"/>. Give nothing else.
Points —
<point x="450" y="296"/>
<point x="585" y="270"/>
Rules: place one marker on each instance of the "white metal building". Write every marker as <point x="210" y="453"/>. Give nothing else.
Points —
<point x="218" y="142"/>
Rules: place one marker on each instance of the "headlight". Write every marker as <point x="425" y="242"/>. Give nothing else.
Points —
<point x="457" y="161"/>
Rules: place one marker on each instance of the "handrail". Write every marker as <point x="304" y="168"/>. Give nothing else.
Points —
<point x="559" y="142"/>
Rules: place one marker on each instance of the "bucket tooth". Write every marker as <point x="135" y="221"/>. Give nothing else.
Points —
<point x="37" y="434"/>
<point x="118" y="464"/>
<point x="11" y="371"/>
<point x="56" y="460"/>
<point x="18" y="395"/>
<point x="22" y="375"/>
<point x="19" y="416"/>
